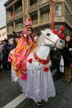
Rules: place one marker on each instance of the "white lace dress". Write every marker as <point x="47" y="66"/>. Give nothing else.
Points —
<point x="39" y="85"/>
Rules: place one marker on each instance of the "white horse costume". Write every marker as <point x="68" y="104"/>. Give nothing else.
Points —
<point x="39" y="84"/>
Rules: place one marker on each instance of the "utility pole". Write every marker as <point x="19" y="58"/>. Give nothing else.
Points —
<point x="52" y="14"/>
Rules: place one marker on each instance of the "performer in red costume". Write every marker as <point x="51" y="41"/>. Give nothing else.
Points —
<point x="26" y="44"/>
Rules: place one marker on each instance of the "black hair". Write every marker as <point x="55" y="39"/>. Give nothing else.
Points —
<point x="28" y="38"/>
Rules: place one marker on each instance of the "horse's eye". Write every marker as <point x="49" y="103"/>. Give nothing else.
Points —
<point x="48" y="34"/>
<point x="61" y="41"/>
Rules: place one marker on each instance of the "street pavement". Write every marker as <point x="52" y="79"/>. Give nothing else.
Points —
<point x="10" y="91"/>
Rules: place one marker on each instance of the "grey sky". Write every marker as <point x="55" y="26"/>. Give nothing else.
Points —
<point x="2" y="13"/>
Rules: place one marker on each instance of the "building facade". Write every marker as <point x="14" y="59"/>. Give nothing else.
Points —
<point x="39" y="11"/>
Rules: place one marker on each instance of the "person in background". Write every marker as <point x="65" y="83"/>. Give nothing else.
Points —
<point x="58" y="53"/>
<point x="1" y="56"/>
<point x="13" y="40"/>
<point x="67" y="53"/>
<point x="12" y="45"/>
<point x="5" y="52"/>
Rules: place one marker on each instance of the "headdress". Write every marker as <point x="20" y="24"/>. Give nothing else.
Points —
<point x="28" y="22"/>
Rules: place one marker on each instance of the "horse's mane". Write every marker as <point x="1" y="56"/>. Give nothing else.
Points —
<point x="41" y="39"/>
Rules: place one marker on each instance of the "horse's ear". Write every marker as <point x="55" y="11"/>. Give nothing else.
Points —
<point x="42" y="31"/>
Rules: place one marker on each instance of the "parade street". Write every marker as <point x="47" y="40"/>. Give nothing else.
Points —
<point x="12" y="97"/>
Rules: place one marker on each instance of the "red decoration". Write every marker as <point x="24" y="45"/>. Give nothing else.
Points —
<point x="18" y="66"/>
<point x="46" y="69"/>
<point x="62" y="36"/>
<point x="55" y="32"/>
<point x="24" y="76"/>
<point x="42" y="61"/>
<point x="29" y="19"/>
<point x="28" y="22"/>
<point x="30" y="60"/>
<point x="62" y="28"/>
<point x="24" y="68"/>
<point x="11" y="14"/>
<point x="10" y="59"/>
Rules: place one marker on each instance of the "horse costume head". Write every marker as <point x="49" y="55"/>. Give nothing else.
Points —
<point x="51" y="39"/>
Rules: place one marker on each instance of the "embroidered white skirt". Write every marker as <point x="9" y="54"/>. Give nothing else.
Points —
<point x="39" y="85"/>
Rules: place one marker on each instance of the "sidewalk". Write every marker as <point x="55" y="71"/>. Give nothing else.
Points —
<point x="8" y="89"/>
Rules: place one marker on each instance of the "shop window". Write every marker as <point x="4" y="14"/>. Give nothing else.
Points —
<point x="58" y="9"/>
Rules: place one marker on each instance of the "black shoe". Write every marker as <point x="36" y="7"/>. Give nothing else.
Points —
<point x="39" y="104"/>
<point x="57" y="77"/>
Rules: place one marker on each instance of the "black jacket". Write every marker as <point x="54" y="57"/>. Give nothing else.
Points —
<point x="67" y="54"/>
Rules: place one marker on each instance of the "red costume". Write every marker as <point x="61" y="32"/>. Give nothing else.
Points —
<point x="25" y="46"/>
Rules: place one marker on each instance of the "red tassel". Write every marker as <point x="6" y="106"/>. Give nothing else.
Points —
<point x="46" y="69"/>
<point x="29" y="19"/>
<point x="9" y="59"/>
<point x="30" y="60"/>
<point x="24" y="76"/>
